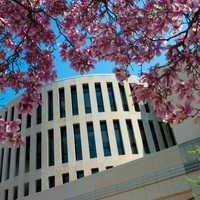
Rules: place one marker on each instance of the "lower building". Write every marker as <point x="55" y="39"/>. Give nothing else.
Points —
<point x="160" y="176"/>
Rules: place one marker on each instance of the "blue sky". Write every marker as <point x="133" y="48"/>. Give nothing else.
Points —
<point x="63" y="71"/>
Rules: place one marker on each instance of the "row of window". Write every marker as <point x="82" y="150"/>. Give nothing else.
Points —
<point x="74" y="100"/>
<point x="166" y="135"/>
<point x="51" y="182"/>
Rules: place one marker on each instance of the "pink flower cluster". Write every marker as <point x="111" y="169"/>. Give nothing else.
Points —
<point x="9" y="132"/>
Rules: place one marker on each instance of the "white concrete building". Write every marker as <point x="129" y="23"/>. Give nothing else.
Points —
<point x="85" y="125"/>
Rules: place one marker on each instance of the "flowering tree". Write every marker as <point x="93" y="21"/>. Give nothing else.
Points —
<point x="129" y="33"/>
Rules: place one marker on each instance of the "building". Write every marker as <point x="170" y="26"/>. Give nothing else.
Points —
<point x="85" y="125"/>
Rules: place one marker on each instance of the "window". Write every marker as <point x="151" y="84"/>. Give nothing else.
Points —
<point x="80" y="174"/>
<point x="111" y="97"/>
<point x="65" y="178"/>
<point x="38" y="150"/>
<point x="8" y="164"/>
<point x="163" y="134"/>
<point x="15" y="193"/>
<point x="131" y="136"/>
<point x="77" y="140"/>
<point x="105" y="139"/>
<point x="147" y="109"/>
<point x="143" y="135"/>
<point x="64" y="148"/>
<point x="153" y="133"/>
<point x="91" y="140"/>
<point x="135" y="103"/>
<point x="51" y="181"/>
<point x="6" y="115"/>
<point x="171" y="134"/>
<point x="1" y="164"/>
<point x="17" y="158"/>
<point x="38" y="185"/>
<point x="12" y="113"/>
<point x="39" y="114"/>
<point x="118" y="137"/>
<point x="28" y="121"/>
<point x="99" y="97"/>
<point x="50" y="105"/>
<point x="26" y="189"/>
<point x="74" y="100"/>
<point x="62" y="102"/>
<point x="20" y="117"/>
<point x="51" y="146"/>
<point x="109" y="167"/>
<point x="27" y="154"/>
<point x="87" y="102"/>
<point x="6" y="194"/>
<point x="94" y="170"/>
<point x="123" y="97"/>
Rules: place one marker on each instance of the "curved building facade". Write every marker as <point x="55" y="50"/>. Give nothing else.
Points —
<point x="85" y="125"/>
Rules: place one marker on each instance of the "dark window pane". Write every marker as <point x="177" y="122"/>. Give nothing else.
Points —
<point x="17" y="158"/>
<point x="62" y="102"/>
<point x="20" y="117"/>
<point x="8" y="164"/>
<point x="50" y="105"/>
<point x="51" y="181"/>
<point x="77" y="140"/>
<point x="111" y="97"/>
<point x="171" y="134"/>
<point x="15" y="193"/>
<point x="6" y="115"/>
<point x="64" y="148"/>
<point x="38" y="185"/>
<point x="123" y="97"/>
<point x="135" y="103"/>
<point x="105" y="139"/>
<point x="1" y="164"/>
<point x="12" y="113"/>
<point x="28" y="121"/>
<point x="109" y="167"/>
<point x="147" y="109"/>
<point x="131" y="137"/>
<point x="39" y="114"/>
<point x="27" y="154"/>
<point x="51" y="147"/>
<point x="153" y="133"/>
<point x="99" y="97"/>
<point x="91" y="140"/>
<point x="38" y="150"/>
<point x="74" y="100"/>
<point x="87" y="102"/>
<point x="26" y="189"/>
<point x="65" y="178"/>
<point x="118" y="137"/>
<point x="6" y="194"/>
<point x="143" y="135"/>
<point x="80" y="174"/>
<point x="163" y="134"/>
<point x="94" y="170"/>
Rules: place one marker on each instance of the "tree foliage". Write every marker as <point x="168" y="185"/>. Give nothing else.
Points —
<point x="129" y="33"/>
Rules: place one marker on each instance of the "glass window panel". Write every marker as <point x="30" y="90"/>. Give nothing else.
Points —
<point x="77" y="140"/>
<point x="105" y="138"/>
<point x="91" y="140"/>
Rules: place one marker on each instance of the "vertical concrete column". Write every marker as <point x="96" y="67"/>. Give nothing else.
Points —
<point x="112" y="139"/>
